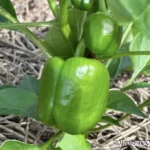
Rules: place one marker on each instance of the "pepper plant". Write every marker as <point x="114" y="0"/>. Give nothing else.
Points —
<point x="87" y="45"/>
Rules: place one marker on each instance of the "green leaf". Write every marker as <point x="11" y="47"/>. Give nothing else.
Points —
<point x="31" y="112"/>
<point x="146" y="103"/>
<point x="15" y="101"/>
<point x="113" y="67"/>
<point x="140" y="43"/>
<point x="7" y="5"/>
<point x="53" y="148"/>
<point x="73" y="24"/>
<point x="6" y="86"/>
<point x="121" y="102"/>
<point x="109" y="120"/>
<point x="17" y="145"/>
<point x="55" y="39"/>
<point x="125" y="64"/>
<point x="73" y="142"/>
<point x="126" y="11"/>
<point x="121" y="14"/>
<point x="30" y="84"/>
<point x="135" y="7"/>
<point x="136" y="85"/>
<point x="147" y="72"/>
<point x="135" y="30"/>
<point x="76" y="22"/>
<point x="57" y="42"/>
<point x="143" y="22"/>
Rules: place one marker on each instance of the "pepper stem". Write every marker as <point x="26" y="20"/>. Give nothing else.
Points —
<point x="51" y="140"/>
<point x="102" y="5"/>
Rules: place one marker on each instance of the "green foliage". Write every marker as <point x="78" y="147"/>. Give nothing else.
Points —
<point x="119" y="101"/>
<point x="136" y="85"/>
<point x="29" y="84"/>
<point x="15" y="101"/>
<point x="17" y="145"/>
<point x="110" y="120"/>
<point x="57" y="42"/>
<point x="146" y="70"/>
<point x="76" y="142"/>
<point x="136" y="11"/>
<point x="114" y="67"/>
<point x="120" y="13"/>
<point x="7" y="5"/>
<point x="76" y="22"/>
<point x="125" y="64"/>
<point x="31" y="111"/>
<point x="143" y="22"/>
<point x="139" y="43"/>
<point x="126" y="11"/>
<point x="146" y="103"/>
<point x="6" y="86"/>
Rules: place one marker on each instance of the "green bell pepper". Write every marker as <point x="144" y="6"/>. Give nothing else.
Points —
<point x="102" y="35"/>
<point x="84" y="5"/>
<point x="73" y="93"/>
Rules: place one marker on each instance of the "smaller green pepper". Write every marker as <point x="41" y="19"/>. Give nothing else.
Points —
<point x="84" y="5"/>
<point x="102" y="35"/>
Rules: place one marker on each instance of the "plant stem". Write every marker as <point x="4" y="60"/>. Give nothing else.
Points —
<point x="65" y="28"/>
<point x="27" y="24"/>
<point x="51" y="140"/>
<point x="102" y="5"/>
<point x="119" y="120"/>
<point x="63" y="13"/>
<point x="80" y="49"/>
<point x="118" y="55"/>
<point x="54" y="8"/>
<point x="80" y="26"/>
<point x="108" y="63"/>
<point x="37" y="41"/>
<point x="126" y="33"/>
<point x="64" y="18"/>
<point x="129" y="82"/>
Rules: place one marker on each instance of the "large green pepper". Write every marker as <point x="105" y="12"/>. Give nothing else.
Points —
<point x="73" y="93"/>
<point x="84" y="5"/>
<point x="102" y="35"/>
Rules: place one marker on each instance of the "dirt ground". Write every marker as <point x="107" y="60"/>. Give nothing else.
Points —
<point x="20" y="57"/>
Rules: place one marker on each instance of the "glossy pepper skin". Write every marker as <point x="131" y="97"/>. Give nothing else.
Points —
<point x="73" y="94"/>
<point x="84" y="5"/>
<point x="47" y="90"/>
<point x="102" y="35"/>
